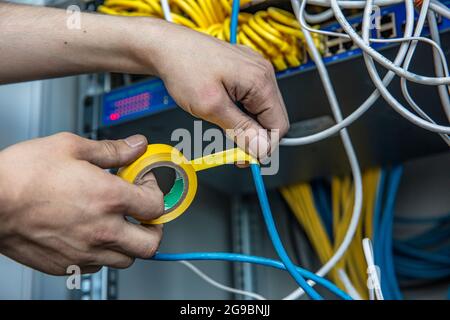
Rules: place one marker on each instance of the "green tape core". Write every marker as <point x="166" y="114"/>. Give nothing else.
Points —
<point x="175" y="194"/>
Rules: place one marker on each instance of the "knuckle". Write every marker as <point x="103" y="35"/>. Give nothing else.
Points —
<point x="111" y="198"/>
<point x="103" y="236"/>
<point x="260" y="80"/>
<point x="125" y="263"/>
<point x="69" y="140"/>
<point x="268" y="67"/>
<point x="210" y="100"/>
<point x="243" y="125"/>
<point x="149" y="249"/>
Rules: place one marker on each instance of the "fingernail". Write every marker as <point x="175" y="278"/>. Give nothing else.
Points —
<point x="135" y="141"/>
<point x="259" y="147"/>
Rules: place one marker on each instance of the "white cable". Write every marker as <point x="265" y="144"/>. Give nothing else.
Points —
<point x="366" y="105"/>
<point x="329" y="90"/>
<point x="369" y="102"/>
<point x="166" y="9"/>
<point x="371" y="294"/>
<point x="350" y="4"/>
<point x="439" y="68"/>
<point x="218" y="285"/>
<point x="409" y="99"/>
<point x="385" y="62"/>
<point x="369" y="55"/>
<point x="411" y="50"/>
<point x="417" y="37"/>
<point x="319" y="17"/>
<point x="303" y="19"/>
<point x="439" y="8"/>
<point x="375" y="285"/>
<point x="349" y="287"/>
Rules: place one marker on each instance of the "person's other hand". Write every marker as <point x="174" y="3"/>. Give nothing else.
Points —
<point x="58" y="207"/>
<point x="206" y="77"/>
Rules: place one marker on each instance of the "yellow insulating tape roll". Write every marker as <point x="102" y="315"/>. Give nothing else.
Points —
<point x="180" y="197"/>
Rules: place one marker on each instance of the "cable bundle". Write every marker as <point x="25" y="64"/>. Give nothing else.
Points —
<point x="323" y="212"/>
<point x="274" y="33"/>
<point x="325" y="218"/>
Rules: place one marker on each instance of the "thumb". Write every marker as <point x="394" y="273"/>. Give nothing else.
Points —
<point x="114" y="153"/>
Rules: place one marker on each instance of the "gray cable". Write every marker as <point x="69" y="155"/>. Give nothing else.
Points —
<point x="369" y="102"/>
<point x="439" y="68"/>
<point x="319" y="17"/>
<point x="385" y="62"/>
<point x="350" y="4"/>
<point x="411" y="50"/>
<point x="334" y="104"/>
<point x="376" y="79"/>
<point x="439" y="8"/>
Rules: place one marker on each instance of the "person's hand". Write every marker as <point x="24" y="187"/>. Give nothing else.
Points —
<point x="206" y="77"/>
<point x="58" y="207"/>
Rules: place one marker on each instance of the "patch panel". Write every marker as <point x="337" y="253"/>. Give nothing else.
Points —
<point x="386" y="28"/>
<point x="392" y="19"/>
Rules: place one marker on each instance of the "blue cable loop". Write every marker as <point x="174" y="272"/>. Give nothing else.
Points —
<point x="236" y="257"/>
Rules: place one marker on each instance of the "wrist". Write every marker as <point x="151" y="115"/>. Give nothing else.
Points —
<point x="145" y="44"/>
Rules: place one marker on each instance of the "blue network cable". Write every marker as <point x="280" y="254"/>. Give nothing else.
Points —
<point x="274" y="236"/>
<point x="236" y="257"/>
<point x="286" y="263"/>
<point x="383" y="236"/>
<point x="260" y="189"/>
<point x="234" y="21"/>
<point x="322" y="202"/>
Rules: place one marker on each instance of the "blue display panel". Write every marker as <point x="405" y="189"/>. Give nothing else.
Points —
<point x="135" y="101"/>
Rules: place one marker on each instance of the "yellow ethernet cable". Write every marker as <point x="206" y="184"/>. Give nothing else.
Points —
<point x="179" y="19"/>
<point x="206" y="12"/>
<point x="195" y="6"/>
<point x="260" y="17"/>
<point x="156" y="7"/>
<point x="286" y="29"/>
<point x="226" y="29"/>
<point x="244" y="40"/>
<point x="137" y="5"/>
<point x="200" y="22"/>
<point x="284" y="17"/>
<point x="281" y="44"/>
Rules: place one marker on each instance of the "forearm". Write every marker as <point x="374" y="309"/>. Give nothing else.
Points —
<point x="36" y="43"/>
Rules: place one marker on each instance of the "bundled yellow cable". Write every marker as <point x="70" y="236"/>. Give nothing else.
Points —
<point x="274" y="33"/>
<point x="301" y="201"/>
